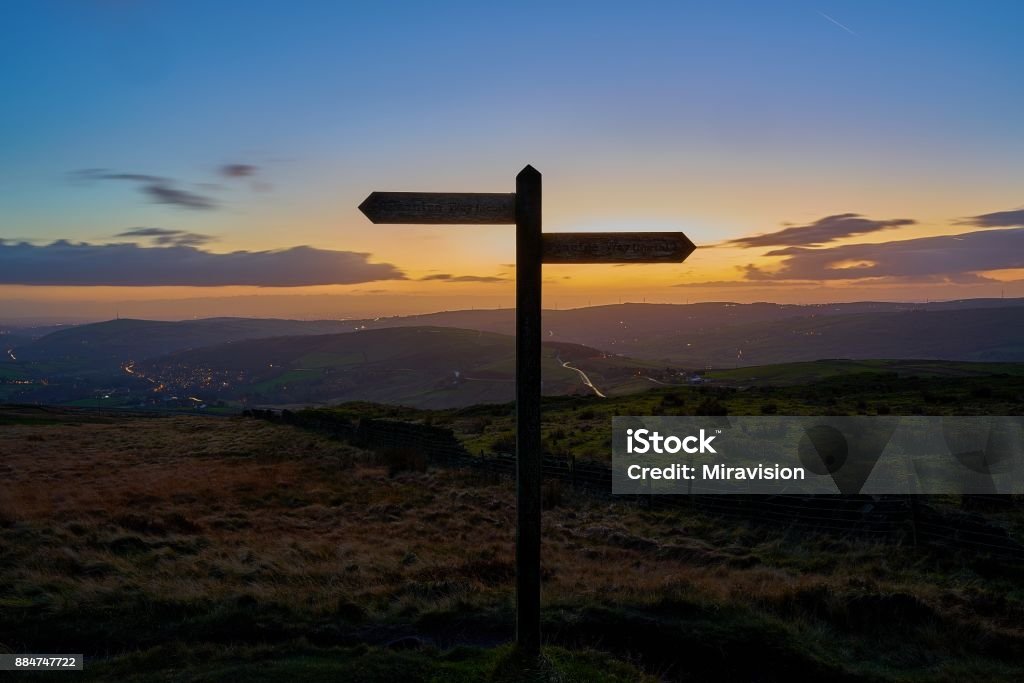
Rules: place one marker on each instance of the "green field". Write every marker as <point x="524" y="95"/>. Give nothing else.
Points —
<point x="11" y="371"/>
<point x="581" y="425"/>
<point x="289" y="377"/>
<point x="797" y="373"/>
<point x="325" y="359"/>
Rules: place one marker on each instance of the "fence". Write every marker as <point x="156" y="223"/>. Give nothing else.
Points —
<point x="890" y="518"/>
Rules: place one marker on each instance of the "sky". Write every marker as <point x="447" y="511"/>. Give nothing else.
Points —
<point x="178" y="159"/>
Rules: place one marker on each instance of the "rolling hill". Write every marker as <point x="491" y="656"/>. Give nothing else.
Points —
<point x="736" y="335"/>
<point x="103" y="347"/>
<point x="433" y="367"/>
<point x="628" y="346"/>
<point x="692" y="333"/>
<point x="716" y="335"/>
<point x="633" y="324"/>
<point x="983" y="334"/>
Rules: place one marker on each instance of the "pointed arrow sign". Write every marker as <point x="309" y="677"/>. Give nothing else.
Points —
<point x="615" y="247"/>
<point x="480" y="208"/>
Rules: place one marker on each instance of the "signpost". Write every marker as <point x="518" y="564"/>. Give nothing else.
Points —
<point x="480" y="208"/>
<point x="533" y="248"/>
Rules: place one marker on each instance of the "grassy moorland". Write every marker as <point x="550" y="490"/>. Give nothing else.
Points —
<point x="581" y="425"/>
<point x="197" y="548"/>
<point x="813" y="371"/>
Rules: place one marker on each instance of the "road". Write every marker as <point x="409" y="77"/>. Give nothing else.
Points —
<point x="129" y="367"/>
<point x="583" y="376"/>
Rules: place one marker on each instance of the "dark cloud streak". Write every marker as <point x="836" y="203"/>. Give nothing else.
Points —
<point x="163" y="236"/>
<point x="158" y="189"/>
<point x="238" y="170"/>
<point x="64" y="263"/>
<point x="999" y="219"/>
<point x="827" y="229"/>
<point x="944" y="258"/>
<point x="165" y="194"/>
<point x="448" y="277"/>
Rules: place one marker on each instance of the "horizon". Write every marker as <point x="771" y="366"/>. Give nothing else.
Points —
<point x="813" y="155"/>
<point x="43" y="321"/>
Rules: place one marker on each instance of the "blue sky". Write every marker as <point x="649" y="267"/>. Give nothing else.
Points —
<point x="723" y="119"/>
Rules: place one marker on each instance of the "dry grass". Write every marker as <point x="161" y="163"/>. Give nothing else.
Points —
<point x="211" y="509"/>
<point x="149" y="521"/>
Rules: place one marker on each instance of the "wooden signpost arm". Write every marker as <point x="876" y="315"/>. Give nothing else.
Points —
<point x="616" y="247"/>
<point x="449" y="208"/>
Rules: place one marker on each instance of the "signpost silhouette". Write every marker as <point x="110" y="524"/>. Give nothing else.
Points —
<point x="533" y="248"/>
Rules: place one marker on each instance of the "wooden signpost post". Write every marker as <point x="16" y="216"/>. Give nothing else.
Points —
<point x="533" y="248"/>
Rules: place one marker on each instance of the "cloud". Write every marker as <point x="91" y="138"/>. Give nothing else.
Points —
<point x="158" y="189"/>
<point x="165" y="194"/>
<point x="827" y="229"/>
<point x="945" y="258"/>
<point x="103" y="174"/>
<point x="999" y="219"/>
<point x="238" y="170"/>
<point x="742" y="283"/>
<point x="448" y="277"/>
<point x="65" y="263"/>
<point x="163" y="236"/>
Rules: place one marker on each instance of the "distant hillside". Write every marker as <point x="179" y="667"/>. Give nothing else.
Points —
<point x="9" y="340"/>
<point x="694" y="335"/>
<point x="985" y="334"/>
<point x="716" y="333"/>
<point x="102" y="347"/>
<point x="417" y="366"/>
